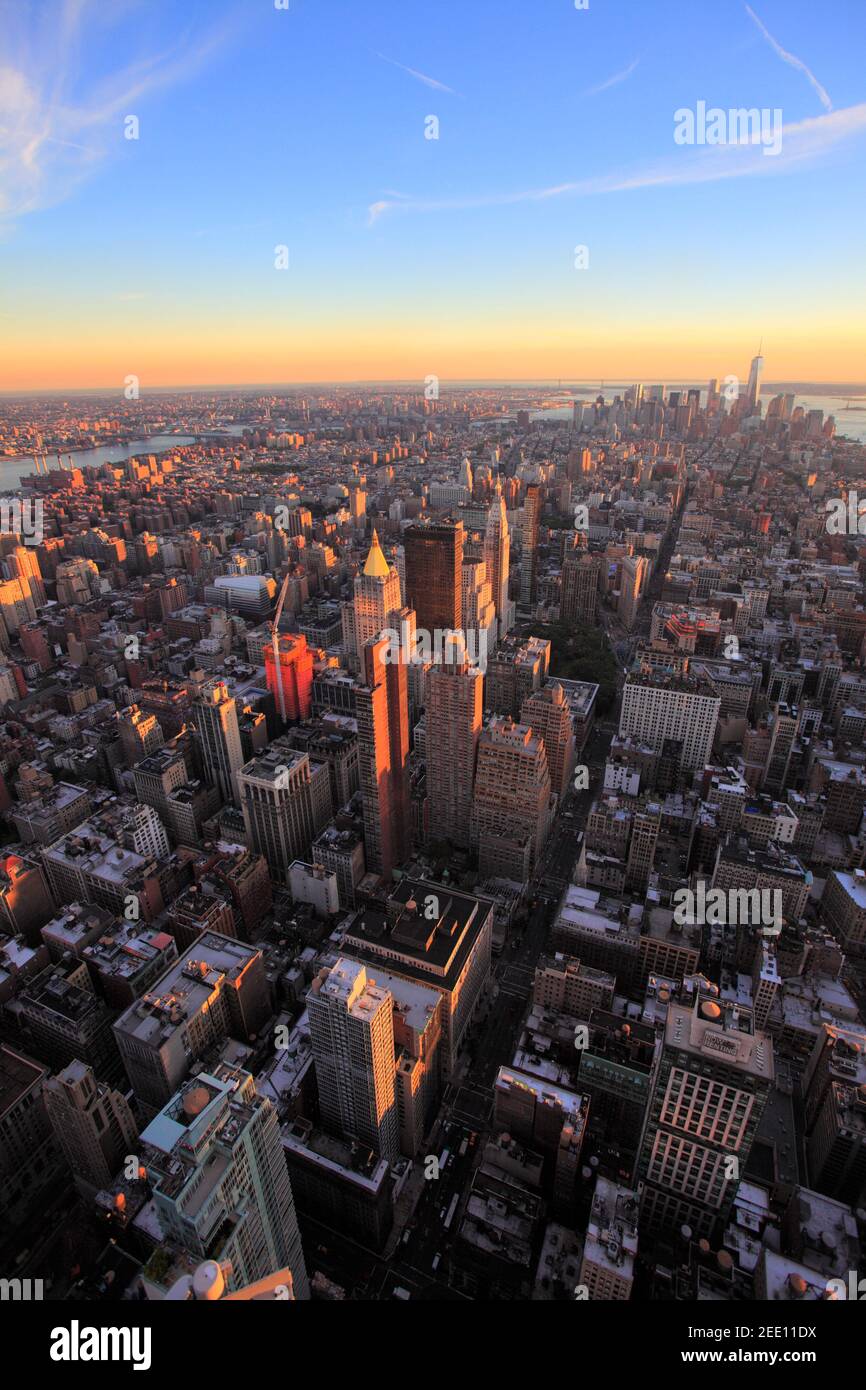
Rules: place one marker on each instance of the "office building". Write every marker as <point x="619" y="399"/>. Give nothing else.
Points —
<point x="434" y="575"/>
<point x="453" y="722"/>
<point x="276" y="797"/>
<point x="216" y="723"/>
<point x="352" y="1032"/>
<point x="93" y="1125"/>
<point x="512" y="797"/>
<point x="221" y="1188"/>
<point x="713" y="1079"/>
<point x="529" y="545"/>
<point x="547" y="713"/>
<point x="217" y="991"/>
<point x="382" y="712"/>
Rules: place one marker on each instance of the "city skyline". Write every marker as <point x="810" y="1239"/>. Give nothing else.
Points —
<point x="258" y="142"/>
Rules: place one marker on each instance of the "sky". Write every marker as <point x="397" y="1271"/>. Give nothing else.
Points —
<point x="306" y="128"/>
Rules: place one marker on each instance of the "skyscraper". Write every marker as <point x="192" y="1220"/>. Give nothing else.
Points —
<point x="479" y="611"/>
<point x="92" y="1124"/>
<point x="497" y="554"/>
<point x="220" y="1182"/>
<point x="434" y="578"/>
<point x="529" y="558"/>
<point x="547" y="713"/>
<point x="455" y="701"/>
<point x="382" y="713"/>
<point x="579" y="587"/>
<point x="352" y="1033"/>
<point x="216" y="722"/>
<point x="291" y="685"/>
<point x="634" y="576"/>
<point x="753" y="389"/>
<point x="277" y="802"/>
<point x="710" y="1088"/>
<point x="511" y="803"/>
<point x="377" y="600"/>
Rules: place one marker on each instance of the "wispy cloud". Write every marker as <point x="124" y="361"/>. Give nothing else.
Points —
<point x="55" y="130"/>
<point x="419" y="76"/>
<point x="803" y="143"/>
<point x="792" y="60"/>
<point x="612" y="81"/>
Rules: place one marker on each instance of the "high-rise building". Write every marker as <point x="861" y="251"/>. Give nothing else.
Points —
<point x="753" y="389"/>
<point x="276" y="798"/>
<point x="479" y="611"/>
<point x="216" y="722"/>
<point x="434" y="578"/>
<point x="497" y="555"/>
<point x="30" y="1162"/>
<point x="512" y="798"/>
<point x="634" y="576"/>
<point x="352" y="1032"/>
<point x="290" y="680"/>
<point x="656" y="707"/>
<point x="455" y="702"/>
<point x="92" y="1123"/>
<point x="218" y="990"/>
<point x="382" y="713"/>
<point x="547" y="713"/>
<point x="610" y="1249"/>
<point x="529" y="551"/>
<point x="579" y="587"/>
<point x="714" y="1076"/>
<point x="140" y="734"/>
<point x="377" y="600"/>
<point x="220" y="1184"/>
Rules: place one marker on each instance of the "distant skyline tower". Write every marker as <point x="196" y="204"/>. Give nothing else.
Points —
<point x="382" y="713"/>
<point x="434" y="574"/>
<point x="455" y="703"/>
<point x="529" y="554"/>
<point x="352" y="1033"/>
<point x="216" y="722"/>
<point x="753" y="389"/>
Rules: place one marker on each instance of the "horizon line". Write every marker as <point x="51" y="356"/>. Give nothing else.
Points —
<point x="613" y="378"/>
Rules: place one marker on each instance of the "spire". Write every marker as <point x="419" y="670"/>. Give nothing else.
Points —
<point x="376" y="566"/>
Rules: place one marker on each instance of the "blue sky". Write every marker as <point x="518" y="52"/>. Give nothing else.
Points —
<point x="260" y="126"/>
